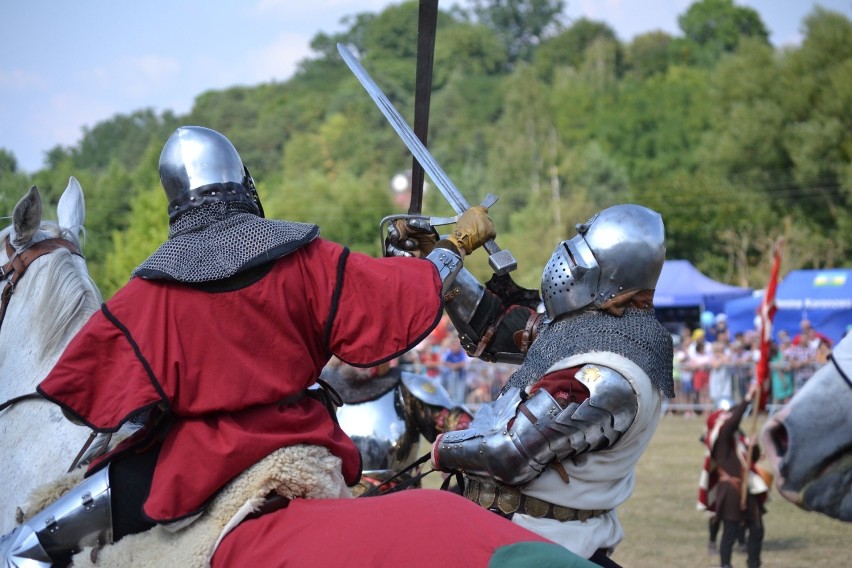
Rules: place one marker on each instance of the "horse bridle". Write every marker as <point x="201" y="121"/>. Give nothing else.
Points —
<point x="18" y="263"/>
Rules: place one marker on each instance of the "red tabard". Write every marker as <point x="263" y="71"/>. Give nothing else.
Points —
<point x="221" y="362"/>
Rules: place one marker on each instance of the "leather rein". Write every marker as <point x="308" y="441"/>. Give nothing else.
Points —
<point x="18" y="263"/>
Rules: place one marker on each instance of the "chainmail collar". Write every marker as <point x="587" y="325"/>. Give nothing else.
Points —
<point x="220" y="239"/>
<point x="636" y="335"/>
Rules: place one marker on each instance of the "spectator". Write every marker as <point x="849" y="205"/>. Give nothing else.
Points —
<point x="430" y="358"/>
<point x="809" y="335"/>
<point x="782" y="377"/>
<point x="700" y="357"/>
<point x="802" y="358"/>
<point x="720" y="380"/>
<point x="454" y="364"/>
<point x="718" y="329"/>
<point x="686" y="393"/>
<point x="742" y="368"/>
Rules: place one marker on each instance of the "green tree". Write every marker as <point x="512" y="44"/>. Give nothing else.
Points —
<point x="648" y="54"/>
<point x="714" y="27"/>
<point x="123" y="138"/>
<point x="136" y="229"/>
<point x="568" y="48"/>
<point x="521" y="25"/>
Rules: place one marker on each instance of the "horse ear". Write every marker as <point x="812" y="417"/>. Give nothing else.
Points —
<point x="71" y="211"/>
<point x="27" y="217"/>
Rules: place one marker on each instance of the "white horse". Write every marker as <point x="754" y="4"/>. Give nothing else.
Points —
<point x="53" y="297"/>
<point x="809" y="441"/>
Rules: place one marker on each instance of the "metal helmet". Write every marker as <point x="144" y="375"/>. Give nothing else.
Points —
<point x="621" y="249"/>
<point x="198" y="166"/>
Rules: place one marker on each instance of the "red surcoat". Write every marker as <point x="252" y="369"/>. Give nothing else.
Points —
<point x="221" y="362"/>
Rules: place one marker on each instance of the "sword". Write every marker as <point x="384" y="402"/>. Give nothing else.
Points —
<point x="501" y="261"/>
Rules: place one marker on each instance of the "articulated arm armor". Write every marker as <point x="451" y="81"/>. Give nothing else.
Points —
<point x="485" y="330"/>
<point x="542" y="431"/>
<point x="81" y="517"/>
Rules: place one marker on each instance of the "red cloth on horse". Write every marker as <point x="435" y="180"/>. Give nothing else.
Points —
<point x="221" y="363"/>
<point x="414" y="528"/>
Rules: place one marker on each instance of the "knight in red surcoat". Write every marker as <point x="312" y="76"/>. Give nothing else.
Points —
<point x="218" y="339"/>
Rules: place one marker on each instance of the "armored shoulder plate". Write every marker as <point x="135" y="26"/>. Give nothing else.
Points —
<point x="426" y="390"/>
<point x="609" y="390"/>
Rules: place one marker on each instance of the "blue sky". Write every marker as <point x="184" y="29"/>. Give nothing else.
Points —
<point x="69" y="65"/>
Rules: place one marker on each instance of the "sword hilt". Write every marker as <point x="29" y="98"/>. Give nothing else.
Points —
<point x="501" y="261"/>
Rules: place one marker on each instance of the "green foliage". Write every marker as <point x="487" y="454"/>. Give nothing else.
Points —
<point x="345" y="206"/>
<point x="13" y="183"/>
<point x="122" y="139"/>
<point x="520" y="25"/>
<point x="148" y="228"/>
<point x="734" y="142"/>
<point x="714" y="27"/>
<point x="568" y="49"/>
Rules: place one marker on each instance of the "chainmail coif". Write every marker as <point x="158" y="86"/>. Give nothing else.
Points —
<point x="220" y="239"/>
<point x="636" y="335"/>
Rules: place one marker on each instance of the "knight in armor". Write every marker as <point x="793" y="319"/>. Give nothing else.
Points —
<point x="556" y="451"/>
<point x="386" y="411"/>
<point x="219" y="336"/>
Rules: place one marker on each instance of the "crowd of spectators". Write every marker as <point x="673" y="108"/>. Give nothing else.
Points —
<point x="712" y="367"/>
<point x="441" y="357"/>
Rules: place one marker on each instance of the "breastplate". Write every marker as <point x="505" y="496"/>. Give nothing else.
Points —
<point x="385" y="435"/>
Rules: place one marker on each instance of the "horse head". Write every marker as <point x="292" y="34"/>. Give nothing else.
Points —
<point x="48" y="293"/>
<point x="809" y="441"/>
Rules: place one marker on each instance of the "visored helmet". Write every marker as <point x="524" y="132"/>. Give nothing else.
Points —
<point x="198" y="166"/>
<point x="621" y="249"/>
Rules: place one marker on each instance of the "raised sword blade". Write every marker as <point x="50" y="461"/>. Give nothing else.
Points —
<point x="501" y="261"/>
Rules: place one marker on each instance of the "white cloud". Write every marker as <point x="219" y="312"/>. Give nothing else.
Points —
<point x="279" y="58"/>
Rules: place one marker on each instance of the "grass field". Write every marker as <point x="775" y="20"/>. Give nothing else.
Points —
<point x="664" y="529"/>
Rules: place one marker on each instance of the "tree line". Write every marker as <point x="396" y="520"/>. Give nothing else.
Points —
<point x="735" y="142"/>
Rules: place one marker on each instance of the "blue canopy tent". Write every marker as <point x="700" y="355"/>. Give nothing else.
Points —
<point x="683" y="293"/>
<point x="824" y="297"/>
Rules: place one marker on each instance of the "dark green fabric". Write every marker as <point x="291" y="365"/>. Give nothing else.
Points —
<point x="537" y="555"/>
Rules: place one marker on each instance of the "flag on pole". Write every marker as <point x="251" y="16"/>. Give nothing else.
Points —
<point x="765" y="315"/>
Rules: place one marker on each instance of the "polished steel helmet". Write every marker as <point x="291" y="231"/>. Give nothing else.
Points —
<point x="621" y="249"/>
<point x="198" y="166"/>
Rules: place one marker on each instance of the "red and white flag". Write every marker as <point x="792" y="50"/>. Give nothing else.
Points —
<point x="765" y="315"/>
